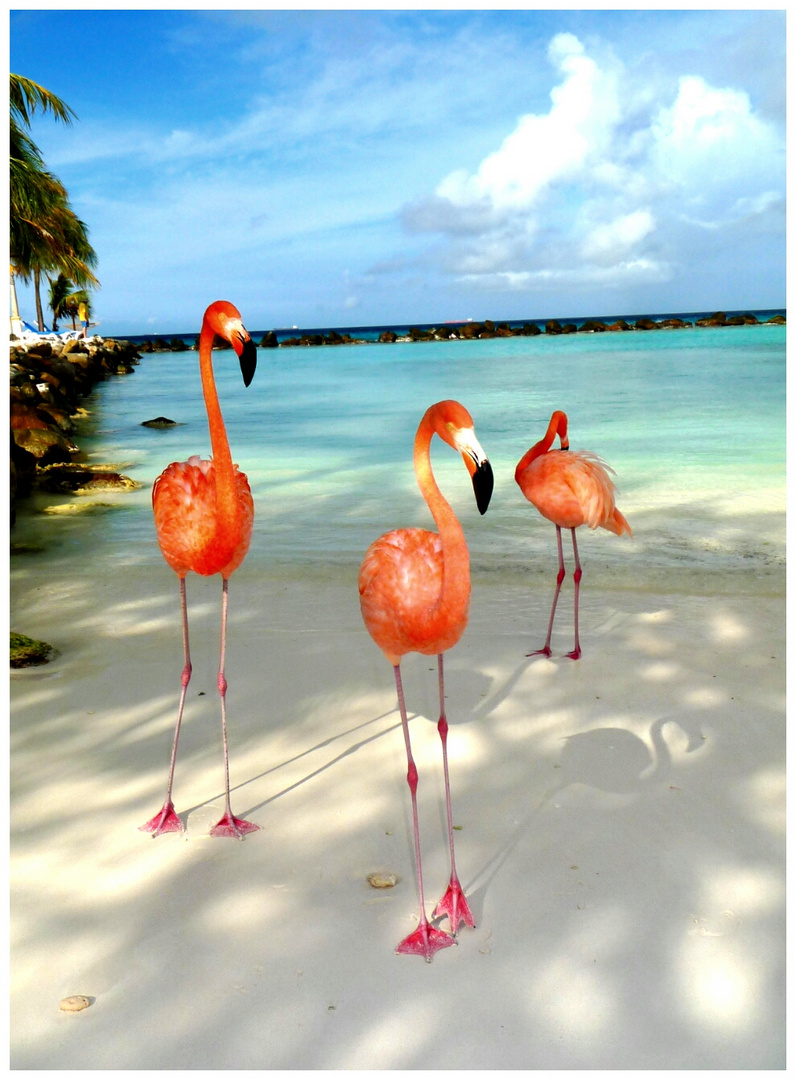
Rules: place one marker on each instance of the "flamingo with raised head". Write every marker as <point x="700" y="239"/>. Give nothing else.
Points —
<point x="570" y="488"/>
<point x="414" y="592"/>
<point x="203" y="515"/>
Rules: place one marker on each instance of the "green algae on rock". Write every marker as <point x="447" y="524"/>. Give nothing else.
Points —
<point x="26" y="651"/>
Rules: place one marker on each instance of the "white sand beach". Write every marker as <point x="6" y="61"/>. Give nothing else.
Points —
<point x="620" y="833"/>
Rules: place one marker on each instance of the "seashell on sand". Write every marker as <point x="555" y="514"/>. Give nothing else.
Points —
<point x="75" y="1003"/>
<point x="380" y="880"/>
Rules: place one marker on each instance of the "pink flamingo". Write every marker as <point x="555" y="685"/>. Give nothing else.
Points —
<point x="569" y="488"/>
<point x="414" y="591"/>
<point x="203" y="515"/>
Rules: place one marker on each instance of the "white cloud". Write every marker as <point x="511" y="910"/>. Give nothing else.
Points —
<point x="610" y="242"/>
<point x="544" y="149"/>
<point x="608" y="185"/>
<point x="710" y="137"/>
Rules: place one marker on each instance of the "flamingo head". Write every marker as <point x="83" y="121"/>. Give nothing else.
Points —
<point x="225" y="320"/>
<point x="454" y="425"/>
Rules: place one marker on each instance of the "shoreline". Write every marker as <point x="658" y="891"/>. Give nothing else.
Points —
<point x="50" y="379"/>
<point x="621" y="833"/>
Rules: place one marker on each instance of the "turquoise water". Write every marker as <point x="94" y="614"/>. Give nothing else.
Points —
<point x="692" y="421"/>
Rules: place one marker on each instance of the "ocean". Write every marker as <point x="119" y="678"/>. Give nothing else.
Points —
<point x="692" y="421"/>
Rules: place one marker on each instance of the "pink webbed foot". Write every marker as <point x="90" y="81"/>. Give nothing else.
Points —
<point x="425" y="941"/>
<point x="575" y="654"/>
<point x="165" y="820"/>
<point x="454" y="905"/>
<point x="546" y="651"/>
<point x="236" y="827"/>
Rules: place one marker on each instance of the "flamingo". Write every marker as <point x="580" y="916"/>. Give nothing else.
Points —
<point x="569" y="488"/>
<point x="414" y="592"/>
<point x="203" y="516"/>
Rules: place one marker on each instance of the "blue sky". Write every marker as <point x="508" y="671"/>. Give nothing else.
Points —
<point x="343" y="168"/>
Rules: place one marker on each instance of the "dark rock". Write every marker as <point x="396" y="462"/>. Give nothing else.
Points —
<point x="45" y="445"/>
<point x="553" y="327"/>
<point x="25" y="415"/>
<point x="620" y="324"/>
<point x="646" y="324"/>
<point x="777" y="320"/>
<point x="719" y="318"/>
<point x="387" y="336"/>
<point x="159" y="422"/>
<point x="76" y="479"/>
<point x="569" y="328"/>
<point x="269" y="341"/>
<point x="593" y="326"/>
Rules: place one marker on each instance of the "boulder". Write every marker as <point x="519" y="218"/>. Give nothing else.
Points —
<point x="387" y="336"/>
<point x="83" y="480"/>
<point x="25" y="415"/>
<point x="26" y="651"/>
<point x="646" y="324"/>
<point x="44" y="445"/>
<point x="269" y="341"/>
<point x="159" y="422"/>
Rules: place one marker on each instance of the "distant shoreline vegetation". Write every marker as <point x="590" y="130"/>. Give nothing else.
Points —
<point x="470" y="329"/>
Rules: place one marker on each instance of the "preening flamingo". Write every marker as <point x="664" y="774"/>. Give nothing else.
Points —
<point x="414" y="592"/>
<point x="203" y="515"/>
<point x="569" y="488"/>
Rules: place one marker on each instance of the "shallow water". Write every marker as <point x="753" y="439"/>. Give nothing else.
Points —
<point x="692" y="421"/>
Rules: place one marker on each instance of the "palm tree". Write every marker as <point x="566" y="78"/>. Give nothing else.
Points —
<point x="45" y="233"/>
<point x="60" y="289"/>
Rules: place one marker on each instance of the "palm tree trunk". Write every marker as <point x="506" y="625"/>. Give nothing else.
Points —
<point x="36" y="287"/>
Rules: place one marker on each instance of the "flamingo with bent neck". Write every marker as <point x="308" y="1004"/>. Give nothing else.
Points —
<point x="203" y="516"/>
<point x="570" y="488"/>
<point x="414" y="591"/>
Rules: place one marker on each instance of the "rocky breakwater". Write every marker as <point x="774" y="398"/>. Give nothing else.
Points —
<point x="49" y="379"/>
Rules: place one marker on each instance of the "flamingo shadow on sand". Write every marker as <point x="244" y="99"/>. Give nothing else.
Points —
<point x="610" y="759"/>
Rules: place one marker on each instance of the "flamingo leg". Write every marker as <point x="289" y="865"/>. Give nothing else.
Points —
<point x="166" y="820"/>
<point x="453" y="903"/>
<point x="575" y="654"/>
<point x="229" y="825"/>
<point x="546" y="650"/>
<point x="426" y="939"/>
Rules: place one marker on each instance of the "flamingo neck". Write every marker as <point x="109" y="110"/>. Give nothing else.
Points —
<point x="557" y="426"/>
<point x="226" y="501"/>
<point x="455" y="595"/>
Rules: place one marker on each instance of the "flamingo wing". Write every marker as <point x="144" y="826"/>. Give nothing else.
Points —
<point x="400" y="582"/>
<point x="184" y="504"/>
<point x="571" y="488"/>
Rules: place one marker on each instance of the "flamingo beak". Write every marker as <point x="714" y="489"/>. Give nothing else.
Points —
<point x="483" y="484"/>
<point x="247" y="355"/>
<point x="478" y="467"/>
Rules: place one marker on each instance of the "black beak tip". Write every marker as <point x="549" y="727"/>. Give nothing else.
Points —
<point x="248" y="361"/>
<point x="483" y="485"/>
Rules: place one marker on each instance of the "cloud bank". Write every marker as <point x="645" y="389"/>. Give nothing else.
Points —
<point x="610" y="186"/>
